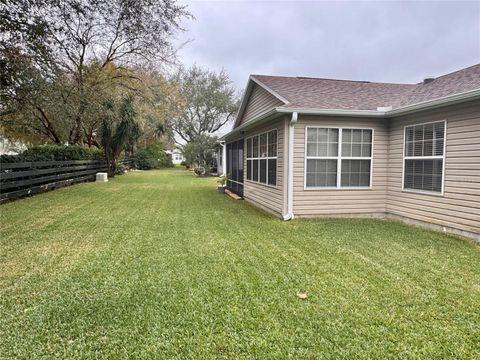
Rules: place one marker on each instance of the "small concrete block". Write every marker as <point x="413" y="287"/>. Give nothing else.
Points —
<point x="102" y="177"/>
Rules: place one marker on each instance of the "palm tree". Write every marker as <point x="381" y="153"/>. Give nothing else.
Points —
<point x="159" y="130"/>
<point x="125" y="134"/>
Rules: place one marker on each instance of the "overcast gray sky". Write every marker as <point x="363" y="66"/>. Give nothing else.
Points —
<point x="376" y="41"/>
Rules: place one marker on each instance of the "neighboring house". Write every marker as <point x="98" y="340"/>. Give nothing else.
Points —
<point x="308" y="147"/>
<point x="8" y="147"/>
<point x="177" y="156"/>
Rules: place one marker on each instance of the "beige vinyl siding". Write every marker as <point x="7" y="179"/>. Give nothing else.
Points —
<point x="259" y="102"/>
<point x="459" y="207"/>
<point x="341" y="202"/>
<point x="268" y="197"/>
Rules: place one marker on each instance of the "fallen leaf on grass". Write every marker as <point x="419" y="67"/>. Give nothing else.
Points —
<point x="302" y="296"/>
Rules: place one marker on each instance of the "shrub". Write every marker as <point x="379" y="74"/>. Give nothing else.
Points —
<point x="97" y="154"/>
<point x="201" y="170"/>
<point x="201" y="150"/>
<point x="153" y="157"/>
<point x="222" y="180"/>
<point x="11" y="158"/>
<point x="54" y="153"/>
<point x="143" y="160"/>
<point x="160" y="158"/>
<point x="120" y="169"/>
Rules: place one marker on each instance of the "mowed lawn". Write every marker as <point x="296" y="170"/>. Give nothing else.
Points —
<point x="158" y="265"/>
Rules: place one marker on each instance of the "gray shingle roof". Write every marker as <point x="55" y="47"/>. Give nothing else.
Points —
<point x="363" y="95"/>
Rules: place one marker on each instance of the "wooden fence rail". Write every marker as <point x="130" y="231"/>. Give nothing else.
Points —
<point x="28" y="178"/>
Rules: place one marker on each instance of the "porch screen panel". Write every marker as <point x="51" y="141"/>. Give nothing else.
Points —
<point x="235" y="166"/>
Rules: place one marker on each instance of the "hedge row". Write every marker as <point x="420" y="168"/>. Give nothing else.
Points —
<point x="153" y="157"/>
<point x="54" y="153"/>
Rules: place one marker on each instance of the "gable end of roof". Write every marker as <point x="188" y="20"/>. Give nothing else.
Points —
<point x="246" y="97"/>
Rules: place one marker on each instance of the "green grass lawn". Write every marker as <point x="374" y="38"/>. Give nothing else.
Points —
<point x="157" y="264"/>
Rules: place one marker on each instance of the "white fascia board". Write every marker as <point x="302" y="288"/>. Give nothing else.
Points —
<point x="243" y="103"/>
<point x="256" y="120"/>
<point x="332" y="112"/>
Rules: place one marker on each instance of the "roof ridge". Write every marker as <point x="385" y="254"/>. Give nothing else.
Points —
<point x="364" y="81"/>
<point x="456" y="71"/>
<point x="330" y="79"/>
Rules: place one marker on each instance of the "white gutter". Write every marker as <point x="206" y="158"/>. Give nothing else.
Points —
<point x="332" y="112"/>
<point x="291" y="143"/>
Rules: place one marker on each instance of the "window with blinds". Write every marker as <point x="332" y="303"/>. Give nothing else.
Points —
<point x="424" y="157"/>
<point x="338" y="158"/>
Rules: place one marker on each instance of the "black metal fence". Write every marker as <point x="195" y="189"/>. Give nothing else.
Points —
<point x="28" y="178"/>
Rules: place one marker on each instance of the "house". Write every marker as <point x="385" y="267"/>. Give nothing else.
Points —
<point x="311" y="147"/>
<point x="11" y="147"/>
<point x="177" y="156"/>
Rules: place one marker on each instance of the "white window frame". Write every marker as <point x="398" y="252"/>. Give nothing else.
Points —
<point x="261" y="158"/>
<point x="437" y="157"/>
<point x="339" y="159"/>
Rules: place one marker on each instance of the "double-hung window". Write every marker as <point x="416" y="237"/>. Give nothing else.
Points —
<point x="424" y="157"/>
<point x="262" y="158"/>
<point x="338" y="158"/>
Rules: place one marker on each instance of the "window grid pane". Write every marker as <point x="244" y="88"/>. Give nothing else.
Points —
<point x="255" y="147"/>
<point x="272" y="171"/>
<point x="356" y="143"/>
<point x="255" y="170"/>
<point x="262" y="159"/>
<point x="249" y="148"/>
<point x="263" y="171"/>
<point x="321" y="173"/>
<point x="263" y="145"/>
<point x="322" y="142"/>
<point x="355" y="173"/>
<point x="272" y="143"/>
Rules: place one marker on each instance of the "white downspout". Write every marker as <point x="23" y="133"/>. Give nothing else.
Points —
<point x="291" y="144"/>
